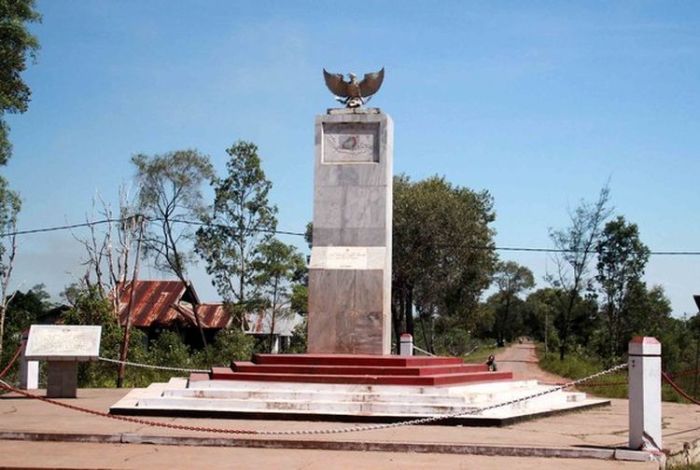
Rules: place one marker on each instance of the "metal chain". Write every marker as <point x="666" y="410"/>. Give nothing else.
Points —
<point x="423" y="351"/>
<point x="4" y="385"/>
<point x="150" y="366"/>
<point x="432" y="419"/>
<point x="12" y="361"/>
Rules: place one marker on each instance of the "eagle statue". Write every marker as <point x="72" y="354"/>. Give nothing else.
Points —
<point x="353" y="94"/>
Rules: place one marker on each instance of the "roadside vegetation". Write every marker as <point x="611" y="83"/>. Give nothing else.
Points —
<point x="578" y="365"/>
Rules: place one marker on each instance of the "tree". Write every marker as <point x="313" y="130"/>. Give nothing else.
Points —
<point x="25" y="309"/>
<point x="576" y="244"/>
<point x="241" y="220"/>
<point x="108" y="251"/>
<point x="18" y="45"/>
<point x="622" y="258"/>
<point x="277" y="266"/>
<point x="10" y="205"/>
<point x="511" y="279"/>
<point x="169" y="195"/>
<point x="443" y="255"/>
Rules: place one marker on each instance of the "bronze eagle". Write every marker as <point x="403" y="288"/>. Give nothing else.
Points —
<point x="353" y="94"/>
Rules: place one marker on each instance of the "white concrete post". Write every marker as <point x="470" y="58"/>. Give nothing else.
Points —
<point x="406" y="345"/>
<point x="644" y="393"/>
<point x="28" y="370"/>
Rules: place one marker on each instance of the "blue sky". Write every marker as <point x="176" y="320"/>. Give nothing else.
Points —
<point x="540" y="103"/>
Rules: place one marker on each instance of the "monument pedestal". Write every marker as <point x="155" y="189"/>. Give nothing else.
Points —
<point x="350" y="269"/>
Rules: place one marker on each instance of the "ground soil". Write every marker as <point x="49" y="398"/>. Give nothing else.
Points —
<point x="521" y="359"/>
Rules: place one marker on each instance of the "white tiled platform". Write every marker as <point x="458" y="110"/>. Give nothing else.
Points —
<point x="231" y="398"/>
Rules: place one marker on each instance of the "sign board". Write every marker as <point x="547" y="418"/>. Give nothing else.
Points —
<point x="347" y="257"/>
<point x="63" y="343"/>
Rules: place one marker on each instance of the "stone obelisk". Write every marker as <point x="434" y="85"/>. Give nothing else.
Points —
<point x="350" y="269"/>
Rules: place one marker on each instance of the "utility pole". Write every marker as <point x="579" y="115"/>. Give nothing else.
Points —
<point x="124" y="351"/>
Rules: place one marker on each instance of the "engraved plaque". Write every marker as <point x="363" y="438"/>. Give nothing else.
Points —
<point x="350" y="142"/>
<point x="347" y="257"/>
<point x="63" y="342"/>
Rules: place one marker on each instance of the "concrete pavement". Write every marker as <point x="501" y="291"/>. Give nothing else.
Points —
<point x="594" y="431"/>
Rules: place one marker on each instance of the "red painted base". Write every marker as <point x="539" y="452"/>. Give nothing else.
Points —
<point x="355" y="369"/>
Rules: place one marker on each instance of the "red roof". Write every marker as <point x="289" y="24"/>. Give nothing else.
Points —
<point x="163" y="303"/>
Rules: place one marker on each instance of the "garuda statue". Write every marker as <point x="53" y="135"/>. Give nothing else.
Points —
<point x="353" y="94"/>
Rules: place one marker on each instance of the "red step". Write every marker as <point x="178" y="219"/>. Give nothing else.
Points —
<point x="354" y="360"/>
<point x="244" y="366"/>
<point x="220" y="373"/>
<point x="356" y="369"/>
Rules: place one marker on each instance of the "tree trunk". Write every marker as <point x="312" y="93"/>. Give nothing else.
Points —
<point x="2" y="328"/>
<point x="408" y="311"/>
<point x="124" y="353"/>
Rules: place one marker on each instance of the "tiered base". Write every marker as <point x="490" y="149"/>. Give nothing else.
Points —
<point x="349" y="388"/>
<point x="355" y="369"/>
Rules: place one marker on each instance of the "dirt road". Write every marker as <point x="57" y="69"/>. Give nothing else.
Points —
<point x="521" y="359"/>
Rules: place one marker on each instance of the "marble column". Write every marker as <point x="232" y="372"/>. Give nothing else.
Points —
<point x="350" y="269"/>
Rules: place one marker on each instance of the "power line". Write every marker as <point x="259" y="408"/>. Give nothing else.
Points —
<point x="301" y="234"/>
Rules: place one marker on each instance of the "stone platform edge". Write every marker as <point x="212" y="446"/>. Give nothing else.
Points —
<point x="359" y="445"/>
<point x="314" y="417"/>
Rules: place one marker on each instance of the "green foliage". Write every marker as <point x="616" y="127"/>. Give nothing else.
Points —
<point x="169" y="191"/>
<point x="10" y="205"/>
<point x="299" y="299"/>
<point x="508" y="309"/>
<point x="455" y="342"/>
<point x="18" y="45"/>
<point x="443" y="254"/>
<point x="229" y="345"/>
<point x="298" y="341"/>
<point x="580" y="364"/>
<point x="242" y="219"/>
<point x="621" y="260"/>
<point x="276" y="267"/>
<point x="25" y="309"/>
<point x="89" y="308"/>
<point x="577" y="244"/>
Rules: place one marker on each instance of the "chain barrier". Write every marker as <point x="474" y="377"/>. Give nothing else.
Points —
<point x="423" y="351"/>
<point x="373" y="427"/>
<point x="151" y="366"/>
<point x="12" y="361"/>
<point x="678" y="389"/>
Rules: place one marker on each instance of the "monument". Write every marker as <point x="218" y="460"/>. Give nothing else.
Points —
<point x="348" y="370"/>
<point x="350" y="268"/>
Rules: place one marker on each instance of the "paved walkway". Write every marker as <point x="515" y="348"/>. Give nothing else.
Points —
<point x="598" y="428"/>
<point x="521" y="359"/>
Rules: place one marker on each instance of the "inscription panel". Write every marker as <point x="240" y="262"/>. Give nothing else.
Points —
<point x="63" y="342"/>
<point x="348" y="257"/>
<point x="350" y="142"/>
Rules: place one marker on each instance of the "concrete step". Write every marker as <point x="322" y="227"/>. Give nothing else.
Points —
<point x="489" y="387"/>
<point x="317" y="406"/>
<point x="265" y="394"/>
<point x="431" y="380"/>
<point x="355" y="360"/>
<point x="298" y="400"/>
<point x="250" y="367"/>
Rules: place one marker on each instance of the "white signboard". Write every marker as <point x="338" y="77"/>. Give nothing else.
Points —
<point x="63" y="342"/>
<point x="347" y="257"/>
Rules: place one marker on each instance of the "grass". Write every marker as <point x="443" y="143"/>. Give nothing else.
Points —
<point x="482" y="353"/>
<point x="614" y="385"/>
<point x="685" y="466"/>
<point x="574" y="367"/>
